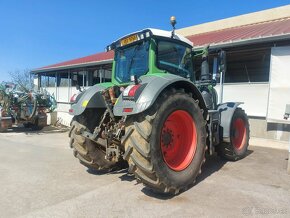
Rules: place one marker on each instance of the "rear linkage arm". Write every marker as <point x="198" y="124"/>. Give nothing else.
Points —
<point x="110" y="131"/>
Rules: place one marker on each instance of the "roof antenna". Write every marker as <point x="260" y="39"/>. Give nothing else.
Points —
<point x="173" y="22"/>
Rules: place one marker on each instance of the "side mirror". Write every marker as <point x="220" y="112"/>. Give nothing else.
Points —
<point x="134" y="79"/>
<point x="222" y="62"/>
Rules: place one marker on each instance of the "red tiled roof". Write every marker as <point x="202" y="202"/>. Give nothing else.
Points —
<point x="99" y="57"/>
<point x="243" y="33"/>
<point x="274" y="28"/>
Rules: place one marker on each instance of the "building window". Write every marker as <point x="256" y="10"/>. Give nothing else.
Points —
<point x="243" y="66"/>
<point x="248" y="66"/>
<point x="79" y="78"/>
<point x="48" y="80"/>
<point x="63" y="79"/>
<point x="106" y="75"/>
<point x="96" y="77"/>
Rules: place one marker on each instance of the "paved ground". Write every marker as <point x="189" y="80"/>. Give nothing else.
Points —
<point x="41" y="178"/>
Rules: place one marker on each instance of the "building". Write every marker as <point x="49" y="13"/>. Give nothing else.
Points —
<point x="258" y="59"/>
<point x="61" y="79"/>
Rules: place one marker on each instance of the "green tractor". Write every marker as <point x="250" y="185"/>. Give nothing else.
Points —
<point x="157" y="115"/>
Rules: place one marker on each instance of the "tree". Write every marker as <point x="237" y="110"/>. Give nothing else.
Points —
<point x="23" y="79"/>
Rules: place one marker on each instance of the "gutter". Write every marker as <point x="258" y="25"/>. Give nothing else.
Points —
<point x="244" y="41"/>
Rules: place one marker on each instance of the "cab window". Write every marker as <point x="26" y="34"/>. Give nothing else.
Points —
<point x="174" y="58"/>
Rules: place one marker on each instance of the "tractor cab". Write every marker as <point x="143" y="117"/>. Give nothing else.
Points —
<point x="151" y="51"/>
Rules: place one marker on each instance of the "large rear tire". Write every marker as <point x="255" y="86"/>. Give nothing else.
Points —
<point x="89" y="153"/>
<point x="237" y="148"/>
<point x="169" y="143"/>
<point x="5" y="125"/>
<point x="35" y="126"/>
<point x="3" y="129"/>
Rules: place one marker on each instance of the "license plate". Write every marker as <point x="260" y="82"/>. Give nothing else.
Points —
<point x="129" y="40"/>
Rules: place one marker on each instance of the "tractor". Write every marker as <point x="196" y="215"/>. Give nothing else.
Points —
<point x="157" y="116"/>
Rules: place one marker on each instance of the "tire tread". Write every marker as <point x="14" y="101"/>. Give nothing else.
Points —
<point x="140" y="160"/>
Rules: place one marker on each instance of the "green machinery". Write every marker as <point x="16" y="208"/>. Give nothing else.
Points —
<point x="158" y="115"/>
<point x="28" y="108"/>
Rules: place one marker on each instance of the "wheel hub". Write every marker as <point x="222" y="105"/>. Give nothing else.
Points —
<point x="167" y="138"/>
<point x="178" y="140"/>
<point x="236" y="133"/>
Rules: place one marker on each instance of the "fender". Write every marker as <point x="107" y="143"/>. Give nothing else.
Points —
<point x="154" y="85"/>
<point x="91" y="98"/>
<point x="226" y="111"/>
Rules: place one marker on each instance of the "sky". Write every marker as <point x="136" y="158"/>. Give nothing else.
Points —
<point x="36" y="33"/>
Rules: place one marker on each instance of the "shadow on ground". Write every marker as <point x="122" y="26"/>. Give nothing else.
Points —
<point x="30" y="131"/>
<point x="212" y="165"/>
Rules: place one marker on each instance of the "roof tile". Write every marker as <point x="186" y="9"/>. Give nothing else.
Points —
<point x="247" y="32"/>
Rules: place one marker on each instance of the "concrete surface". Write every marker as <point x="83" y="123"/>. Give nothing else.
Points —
<point x="41" y="178"/>
<point x="288" y="169"/>
<point x="274" y="131"/>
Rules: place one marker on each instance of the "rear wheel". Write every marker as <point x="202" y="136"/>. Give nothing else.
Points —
<point x="33" y="125"/>
<point x="169" y="142"/>
<point x="37" y="127"/>
<point x="5" y="124"/>
<point x="89" y="153"/>
<point x="239" y="138"/>
<point x="5" y="120"/>
<point x="27" y="125"/>
<point x="2" y="129"/>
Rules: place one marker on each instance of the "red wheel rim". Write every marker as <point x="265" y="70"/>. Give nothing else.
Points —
<point x="178" y="140"/>
<point x="239" y="133"/>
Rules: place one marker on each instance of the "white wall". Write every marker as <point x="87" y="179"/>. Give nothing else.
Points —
<point x="51" y="90"/>
<point x="64" y="118"/>
<point x="62" y="96"/>
<point x="254" y="96"/>
<point x="279" y="94"/>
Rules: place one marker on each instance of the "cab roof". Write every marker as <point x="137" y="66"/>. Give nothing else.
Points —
<point x="160" y="33"/>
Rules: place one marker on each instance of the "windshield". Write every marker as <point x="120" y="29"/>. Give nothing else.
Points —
<point x="130" y="61"/>
<point x="175" y="59"/>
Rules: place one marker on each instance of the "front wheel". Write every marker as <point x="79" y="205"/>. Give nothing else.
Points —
<point x="2" y="129"/>
<point x="89" y="153"/>
<point x="169" y="142"/>
<point x="239" y="138"/>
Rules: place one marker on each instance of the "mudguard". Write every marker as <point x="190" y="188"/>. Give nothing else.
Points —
<point x="226" y="111"/>
<point x="91" y="98"/>
<point x="154" y="85"/>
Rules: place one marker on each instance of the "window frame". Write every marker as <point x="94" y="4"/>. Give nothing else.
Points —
<point x="173" y="41"/>
<point x="126" y="47"/>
